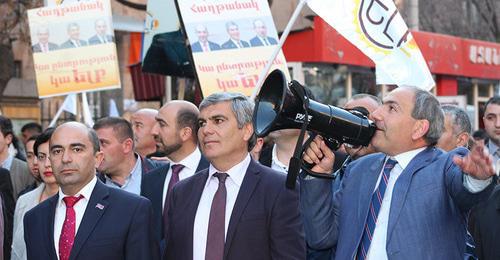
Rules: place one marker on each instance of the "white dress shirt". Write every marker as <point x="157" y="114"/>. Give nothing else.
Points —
<point x="233" y="184"/>
<point x="276" y="164"/>
<point x="377" y="248"/>
<point x="190" y="164"/>
<point x="79" y="208"/>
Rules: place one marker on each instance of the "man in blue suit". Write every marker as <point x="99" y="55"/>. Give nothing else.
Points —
<point x="408" y="202"/>
<point x="236" y="209"/>
<point x="261" y="38"/>
<point x="234" y="41"/>
<point x="203" y="44"/>
<point x="87" y="219"/>
<point x="175" y="134"/>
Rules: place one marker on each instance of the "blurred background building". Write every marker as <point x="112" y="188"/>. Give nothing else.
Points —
<point x="458" y="38"/>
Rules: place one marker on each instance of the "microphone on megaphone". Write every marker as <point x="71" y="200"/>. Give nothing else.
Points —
<point x="282" y="105"/>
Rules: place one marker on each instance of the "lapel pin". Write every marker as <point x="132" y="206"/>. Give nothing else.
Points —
<point x="99" y="206"/>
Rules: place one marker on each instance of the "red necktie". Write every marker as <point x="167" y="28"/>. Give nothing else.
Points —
<point x="217" y="220"/>
<point x="68" y="230"/>
<point x="176" y="169"/>
<point x="205" y="47"/>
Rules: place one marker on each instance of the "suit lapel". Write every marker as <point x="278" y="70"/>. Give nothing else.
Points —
<point x="247" y="188"/>
<point x="95" y="209"/>
<point x="49" y="228"/>
<point x="402" y="185"/>
<point x="367" y="186"/>
<point x="190" y="213"/>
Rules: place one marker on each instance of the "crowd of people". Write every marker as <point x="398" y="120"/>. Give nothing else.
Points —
<point x="194" y="182"/>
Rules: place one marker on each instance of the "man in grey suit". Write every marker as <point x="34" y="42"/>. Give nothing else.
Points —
<point x="19" y="173"/>
<point x="101" y="37"/>
<point x="43" y="44"/>
<point x="74" y="37"/>
<point x="408" y="202"/>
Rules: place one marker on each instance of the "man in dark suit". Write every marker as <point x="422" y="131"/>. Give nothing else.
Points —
<point x="408" y="202"/>
<point x="492" y="127"/>
<point x="234" y="41"/>
<point x="261" y="38"/>
<point x="43" y="44"/>
<point x="237" y="208"/>
<point x="485" y="227"/>
<point x="175" y="134"/>
<point x="203" y="44"/>
<point x="101" y="36"/>
<point x="74" y="37"/>
<point x="87" y="219"/>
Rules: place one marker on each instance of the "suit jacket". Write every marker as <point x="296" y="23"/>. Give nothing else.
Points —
<point x="485" y="227"/>
<point x="265" y="221"/>
<point x="52" y="47"/>
<point x="8" y="205"/>
<point x="255" y="41"/>
<point x="427" y="212"/>
<point x="69" y="44"/>
<point x="120" y="229"/>
<point x="152" y="188"/>
<point x="230" y="44"/>
<point x="196" y="47"/>
<point x="20" y="177"/>
<point x="95" y="39"/>
<point x="24" y="203"/>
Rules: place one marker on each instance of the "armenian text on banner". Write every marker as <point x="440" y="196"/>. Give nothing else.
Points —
<point x="73" y="48"/>
<point x="377" y="29"/>
<point x="231" y="42"/>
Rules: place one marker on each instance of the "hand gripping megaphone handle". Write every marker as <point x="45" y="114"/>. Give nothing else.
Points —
<point x="306" y="167"/>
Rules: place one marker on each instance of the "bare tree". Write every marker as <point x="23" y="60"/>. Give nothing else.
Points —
<point x="477" y="19"/>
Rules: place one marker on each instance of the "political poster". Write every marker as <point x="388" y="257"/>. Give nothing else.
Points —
<point x="73" y="48"/>
<point x="231" y="42"/>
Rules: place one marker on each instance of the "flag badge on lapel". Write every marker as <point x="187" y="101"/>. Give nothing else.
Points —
<point x="99" y="206"/>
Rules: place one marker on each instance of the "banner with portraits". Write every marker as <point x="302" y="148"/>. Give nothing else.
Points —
<point x="73" y="48"/>
<point x="231" y="42"/>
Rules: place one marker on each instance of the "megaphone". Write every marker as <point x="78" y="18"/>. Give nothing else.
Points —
<point x="279" y="106"/>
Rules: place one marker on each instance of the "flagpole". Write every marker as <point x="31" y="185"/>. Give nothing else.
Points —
<point x="283" y="37"/>
<point x="58" y="114"/>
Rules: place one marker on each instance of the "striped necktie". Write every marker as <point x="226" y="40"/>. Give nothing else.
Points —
<point x="376" y="203"/>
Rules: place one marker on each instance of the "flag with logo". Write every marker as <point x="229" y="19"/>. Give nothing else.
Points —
<point x="377" y="29"/>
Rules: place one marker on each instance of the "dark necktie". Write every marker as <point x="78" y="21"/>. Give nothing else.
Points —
<point x="376" y="203"/>
<point x="68" y="229"/>
<point x="266" y="42"/>
<point x="176" y="169"/>
<point x="216" y="222"/>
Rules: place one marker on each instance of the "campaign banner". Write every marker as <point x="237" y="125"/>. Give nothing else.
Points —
<point x="73" y="48"/>
<point x="231" y="42"/>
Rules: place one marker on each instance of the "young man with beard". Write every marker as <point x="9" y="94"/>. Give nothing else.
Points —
<point x="175" y="134"/>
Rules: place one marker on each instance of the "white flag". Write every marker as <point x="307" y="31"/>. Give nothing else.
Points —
<point x="377" y="29"/>
<point x="87" y="116"/>
<point x="113" y="109"/>
<point x="69" y="104"/>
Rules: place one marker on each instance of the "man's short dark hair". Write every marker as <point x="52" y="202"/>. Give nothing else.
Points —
<point x="6" y="126"/>
<point x="121" y="127"/>
<point x="32" y="126"/>
<point x="42" y="138"/>
<point x="94" y="139"/>
<point x="493" y="100"/>
<point x="188" y="118"/>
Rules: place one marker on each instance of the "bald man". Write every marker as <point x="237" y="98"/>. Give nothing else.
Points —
<point x="143" y="121"/>
<point x="175" y="132"/>
<point x="87" y="219"/>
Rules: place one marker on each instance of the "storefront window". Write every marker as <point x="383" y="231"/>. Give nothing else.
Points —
<point x="465" y="87"/>
<point x="326" y="81"/>
<point x="363" y="81"/>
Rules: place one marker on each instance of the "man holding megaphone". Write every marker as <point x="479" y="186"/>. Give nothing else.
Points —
<point x="407" y="202"/>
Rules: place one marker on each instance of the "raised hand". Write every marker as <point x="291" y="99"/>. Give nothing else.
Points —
<point x="478" y="163"/>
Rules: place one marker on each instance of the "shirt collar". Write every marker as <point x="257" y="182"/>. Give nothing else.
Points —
<point x="276" y="161"/>
<point x="7" y="164"/>
<point x="236" y="173"/>
<point x="191" y="161"/>
<point x="86" y="191"/>
<point x="492" y="147"/>
<point x="405" y="158"/>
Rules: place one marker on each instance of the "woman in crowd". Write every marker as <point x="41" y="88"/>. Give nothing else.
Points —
<point x="29" y="200"/>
